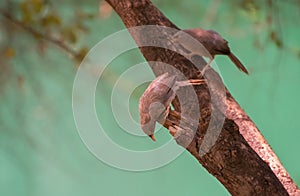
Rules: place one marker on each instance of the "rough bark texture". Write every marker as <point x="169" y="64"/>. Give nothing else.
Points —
<point x="241" y="159"/>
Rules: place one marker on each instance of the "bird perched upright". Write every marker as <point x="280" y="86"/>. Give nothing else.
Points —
<point x="154" y="105"/>
<point x="212" y="42"/>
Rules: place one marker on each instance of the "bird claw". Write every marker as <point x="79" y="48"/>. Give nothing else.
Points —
<point x="192" y="82"/>
<point x="197" y="81"/>
<point x="182" y="136"/>
<point x="206" y="67"/>
<point x="173" y="130"/>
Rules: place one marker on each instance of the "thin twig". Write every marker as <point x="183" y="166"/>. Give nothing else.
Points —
<point x="39" y="34"/>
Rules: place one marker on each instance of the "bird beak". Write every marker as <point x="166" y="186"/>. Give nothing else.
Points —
<point x="152" y="137"/>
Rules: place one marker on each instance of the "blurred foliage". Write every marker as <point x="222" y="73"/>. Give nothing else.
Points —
<point x="46" y="24"/>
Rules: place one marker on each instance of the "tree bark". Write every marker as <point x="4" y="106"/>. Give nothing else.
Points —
<point x="241" y="159"/>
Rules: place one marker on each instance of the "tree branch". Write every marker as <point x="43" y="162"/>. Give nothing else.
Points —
<point x="241" y="159"/>
<point x="39" y="34"/>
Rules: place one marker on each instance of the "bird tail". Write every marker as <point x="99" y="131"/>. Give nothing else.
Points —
<point x="238" y="63"/>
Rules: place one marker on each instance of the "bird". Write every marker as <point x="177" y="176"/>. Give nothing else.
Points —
<point x="154" y="104"/>
<point x="211" y="41"/>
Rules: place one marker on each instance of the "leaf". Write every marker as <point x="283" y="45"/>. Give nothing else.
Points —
<point x="81" y="54"/>
<point x="274" y="37"/>
<point x="70" y="35"/>
<point x="9" y="52"/>
<point x="25" y="11"/>
<point x="37" y="6"/>
<point x="50" y="19"/>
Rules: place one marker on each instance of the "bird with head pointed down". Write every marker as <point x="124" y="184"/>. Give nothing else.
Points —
<point x="154" y="104"/>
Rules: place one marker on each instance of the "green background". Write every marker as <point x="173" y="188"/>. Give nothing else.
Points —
<point x="41" y="152"/>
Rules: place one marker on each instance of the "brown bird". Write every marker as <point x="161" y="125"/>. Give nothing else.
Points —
<point x="213" y="43"/>
<point x="154" y="105"/>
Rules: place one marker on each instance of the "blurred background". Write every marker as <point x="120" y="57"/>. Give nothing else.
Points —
<point x="42" y="43"/>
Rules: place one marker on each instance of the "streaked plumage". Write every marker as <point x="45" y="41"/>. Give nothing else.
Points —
<point x="155" y="103"/>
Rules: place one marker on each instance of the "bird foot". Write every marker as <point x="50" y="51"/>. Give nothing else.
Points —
<point x="206" y="67"/>
<point x="197" y="81"/>
<point x="183" y="136"/>
<point x="193" y="82"/>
